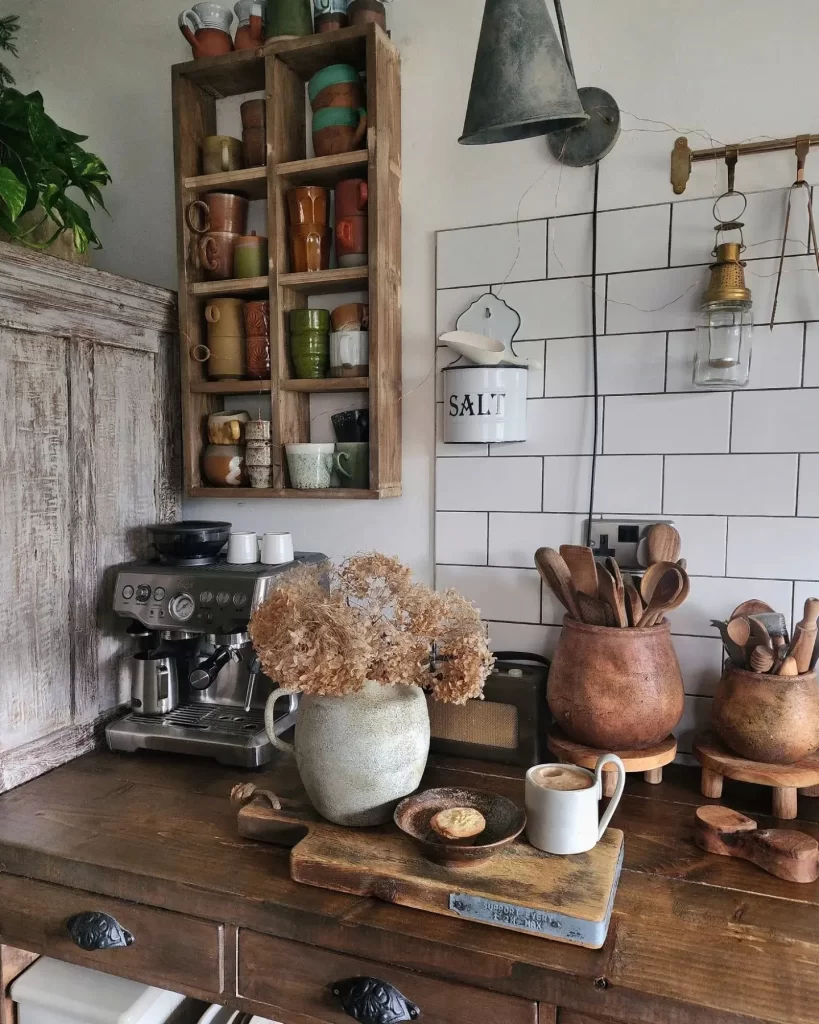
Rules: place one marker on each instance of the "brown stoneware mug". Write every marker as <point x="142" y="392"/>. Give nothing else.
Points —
<point x="221" y="153"/>
<point x="218" y="211"/>
<point x="309" y="204"/>
<point x="216" y="252"/>
<point x="309" y="247"/>
<point x="257" y="333"/>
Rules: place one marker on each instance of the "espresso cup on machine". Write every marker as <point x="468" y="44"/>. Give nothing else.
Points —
<point x="562" y="805"/>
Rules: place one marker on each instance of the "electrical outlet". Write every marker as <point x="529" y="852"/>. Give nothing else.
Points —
<point x="623" y="540"/>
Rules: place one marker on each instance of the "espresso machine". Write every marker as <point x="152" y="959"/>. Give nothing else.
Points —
<point x="197" y="686"/>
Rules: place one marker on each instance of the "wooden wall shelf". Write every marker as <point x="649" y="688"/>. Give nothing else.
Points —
<point x="282" y="68"/>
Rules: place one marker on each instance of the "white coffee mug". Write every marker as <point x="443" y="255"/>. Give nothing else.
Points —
<point x="277" y="548"/>
<point x="565" y="821"/>
<point x="242" y="549"/>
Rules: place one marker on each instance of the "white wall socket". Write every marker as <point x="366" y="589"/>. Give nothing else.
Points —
<point x="622" y="539"/>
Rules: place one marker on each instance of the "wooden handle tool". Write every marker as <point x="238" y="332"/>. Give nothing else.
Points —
<point x="555" y="572"/>
<point x="609" y="592"/>
<point x="634" y="605"/>
<point x="594" y="611"/>
<point x="762" y="659"/>
<point x="804" y="636"/>
<point x="788" y="667"/>
<point x="662" y="544"/>
<point x="665" y="594"/>
<point x="785" y="853"/>
<point x="582" y="566"/>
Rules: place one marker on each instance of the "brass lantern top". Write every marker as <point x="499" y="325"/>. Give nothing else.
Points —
<point x="727" y="282"/>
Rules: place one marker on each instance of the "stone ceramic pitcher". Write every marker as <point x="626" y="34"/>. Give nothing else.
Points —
<point x="358" y="755"/>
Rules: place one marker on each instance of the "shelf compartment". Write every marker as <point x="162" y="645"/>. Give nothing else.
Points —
<point x="326" y="385"/>
<point x="252" y="492"/>
<point x="251" y="181"/>
<point x="323" y="170"/>
<point x="320" y="282"/>
<point x="228" y="75"/>
<point x="307" y="55"/>
<point x="230" y="387"/>
<point x="233" y="286"/>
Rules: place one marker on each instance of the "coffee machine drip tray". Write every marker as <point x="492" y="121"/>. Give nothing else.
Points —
<point x="232" y="736"/>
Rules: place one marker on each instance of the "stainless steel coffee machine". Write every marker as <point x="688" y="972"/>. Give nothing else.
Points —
<point x="197" y="685"/>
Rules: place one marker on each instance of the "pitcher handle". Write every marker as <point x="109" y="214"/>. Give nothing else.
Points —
<point x="270" y="724"/>
<point x="209" y="254"/>
<point x="225" y="155"/>
<point x="618" y="792"/>
<point x="185" y="28"/>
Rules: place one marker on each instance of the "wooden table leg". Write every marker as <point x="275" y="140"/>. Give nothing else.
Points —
<point x="711" y="784"/>
<point x="654" y="776"/>
<point x="784" y="802"/>
<point x="609" y="783"/>
<point x="810" y="791"/>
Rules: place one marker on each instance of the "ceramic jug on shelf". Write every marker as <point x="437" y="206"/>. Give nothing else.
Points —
<point x="251" y="15"/>
<point x="206" y="26"/>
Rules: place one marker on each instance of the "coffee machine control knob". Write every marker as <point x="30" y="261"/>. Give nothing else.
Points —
<point x="182" y="607"/>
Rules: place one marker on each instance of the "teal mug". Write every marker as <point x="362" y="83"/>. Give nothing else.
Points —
<point x="352" y="463"/>
<point x="338" y="130"/>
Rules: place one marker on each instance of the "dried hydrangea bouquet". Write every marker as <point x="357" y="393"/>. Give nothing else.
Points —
<point x="362" y="647"/>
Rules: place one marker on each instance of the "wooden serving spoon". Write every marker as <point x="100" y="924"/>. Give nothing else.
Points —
<point x="582" y="566"/>
<point x="652" y="576"/>
<point x="594" y="611"/>
<point x="662" y="543"/>
<point x="611" y="595"/>
<point x="634" y="605"/>
<point x="555" y="573"/>
<point x="664" y="595"/>
<point x="752" y="607"/>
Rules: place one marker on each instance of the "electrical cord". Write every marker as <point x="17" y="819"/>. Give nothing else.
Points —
<point x="595" y="368"/>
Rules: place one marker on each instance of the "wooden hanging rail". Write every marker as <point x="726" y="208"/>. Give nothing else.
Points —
<point x="682" y="156"/>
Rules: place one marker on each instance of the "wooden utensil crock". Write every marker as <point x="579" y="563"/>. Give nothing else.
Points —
<point x="615" y="689"/>
<point x="767" y="718"/>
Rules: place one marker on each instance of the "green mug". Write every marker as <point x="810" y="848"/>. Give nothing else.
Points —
<point x="309" y="320"/>
<point x="250" y="256"/>
<point x="289" y="18"/>
<point x="352" y="462"/>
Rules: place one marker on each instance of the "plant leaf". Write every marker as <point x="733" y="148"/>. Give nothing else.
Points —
<point x="12" y="192"/>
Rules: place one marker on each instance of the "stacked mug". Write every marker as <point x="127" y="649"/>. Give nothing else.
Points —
<point x="259" y="453"/>
<point x="308" y="210"/>
<point x="339" y="117"/>
<point x="350" y="341"/>
<point x="351" y="222"/>
<point x="254" y="132"/>
<point x="223" y="460"/>
<point x="310" y="342"/>
<point x="218" y="220"/>
<point x="225" y="350"/>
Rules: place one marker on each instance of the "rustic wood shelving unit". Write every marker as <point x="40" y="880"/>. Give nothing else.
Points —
<point x="281" y="68"/>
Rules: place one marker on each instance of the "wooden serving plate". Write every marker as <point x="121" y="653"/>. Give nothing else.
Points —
<point x="520" y="888"/>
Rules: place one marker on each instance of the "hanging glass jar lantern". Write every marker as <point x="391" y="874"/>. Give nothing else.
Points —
<point x="725" y="332"/>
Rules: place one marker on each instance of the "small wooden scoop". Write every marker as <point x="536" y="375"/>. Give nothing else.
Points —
<point x="556" y="574"/>
<point x="662" y="544"/>
<point x="669" y="592"/>
<point x="785" y="853"/>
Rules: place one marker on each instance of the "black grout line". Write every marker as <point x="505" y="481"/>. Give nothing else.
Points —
<point x="670" y="229"/>
<point x="617" y="515"/>
<point x="625" y="455"/>
<point x="662" y="488"/>
<point x="731" y="423"/>
<point x="665" y="368"/>
<point x="804" y="352"/>
<point x="798" y="482"/>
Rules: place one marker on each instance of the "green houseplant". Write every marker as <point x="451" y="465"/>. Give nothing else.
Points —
<point x="40" y="163"/>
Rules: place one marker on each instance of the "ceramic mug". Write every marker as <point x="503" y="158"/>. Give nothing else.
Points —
<point x="352" y="242"/>
<point x="243" y="549"/>
<point x="352" y="462"/>
<point x="206" y="27"/>
<point x="352" y="425"/>
<point x="334" y="75"/>
<point x="257" y="333"/>
<point x="250" y="256"/>
<point x="277" y="548"/>
<point x="261" y="477"/>
<point x="310" y="246"/>
<point x="338" y="130"/>
<point x="565" y="821"/>
<point x="361" y="12"/>
<point x="226" y="340"/>
<point x="221" y="153"/>
<point x="349" y="354"/>
<point x="310" y="465"/>
<point x="258" y="430"/>
<point x="216" y="254"/>
<point x="351" y="316"/>
<point x="308" y="204"/>
<point x="289" y="18"/>
<point x="227" y="427"/>
<point x="250" y="14"/>
<point x="218" y="211"/>
<point x="223" y="465"/>
<point x="310" y="343"/>
<point x="254" y="132"/>
<point x="352" y="195"/>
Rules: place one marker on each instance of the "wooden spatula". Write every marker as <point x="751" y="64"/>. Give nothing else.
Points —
<point x="613" y="597"/>
<point x="662" y="544"/>
<point x="556" y="574"/>
<point x="785" y="853"/>
<point x="580" y="561"/>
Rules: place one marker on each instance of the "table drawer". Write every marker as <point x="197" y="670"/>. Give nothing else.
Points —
<point x="170" y="950"/>
<point x="294" y="983"/>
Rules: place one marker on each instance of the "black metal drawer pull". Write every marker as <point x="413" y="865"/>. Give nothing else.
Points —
<point x="371" y="1001"/>
<point x="94" y="930"/>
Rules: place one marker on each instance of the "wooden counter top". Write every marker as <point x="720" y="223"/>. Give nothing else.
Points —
<point x="694" y="938"/>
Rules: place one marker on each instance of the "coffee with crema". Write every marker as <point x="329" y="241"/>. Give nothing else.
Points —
<point x="555" y="777"/>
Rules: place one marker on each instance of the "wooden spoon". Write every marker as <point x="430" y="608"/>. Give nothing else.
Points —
<point x="594" y="611"/>
<point x="759" y="633"/>
<point x="668" y="588"/>
<point x="662" y="544"/>
<point x="788" y="667"/>
<point x="609" y="593"/>
<point x="580" y="561"/>
<point x="739" y="630"/>
<point x="752" y="607"/>
<point x="556" y="574"/>
<point x="652" y="576"/>
<point x="736" y="654"/>
<point x="634" y="605"/>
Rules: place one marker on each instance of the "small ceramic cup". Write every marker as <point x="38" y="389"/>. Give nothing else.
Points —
<point x="221" y="153"/>
<point x="277" y="548"/>
<point x="338" y="130"/>
<point x="227" y="427"/>
<point x="258" y="430"/>
<point x="261" y="477"/>
<point x="352" y="425"/>
<point x="310" y="465"/>
<point x="258" y="453"/>
<point x="223" y="465"/>
<point x="352" y="463"/>
<point x="565" y="821"/>
<point x="250" y="256"/>
<point x="351" y="316"/>
<point x="243" y="549"/>
<point x="335" y="85"/>
<point x="310" y="343"/>
<point x="349" y="354"/>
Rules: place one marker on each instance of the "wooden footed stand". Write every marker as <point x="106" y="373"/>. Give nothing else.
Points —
<point x="719" y="763"/>
<point x="649" y="761"/>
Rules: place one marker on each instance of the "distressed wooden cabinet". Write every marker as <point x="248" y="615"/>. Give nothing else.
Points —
<point x="89" y="453"/>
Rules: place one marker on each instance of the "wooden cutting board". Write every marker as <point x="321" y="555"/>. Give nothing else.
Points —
<point x="564" y="898"/>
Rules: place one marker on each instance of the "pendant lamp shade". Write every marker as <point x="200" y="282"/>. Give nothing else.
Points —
<point x="521" y="84"/>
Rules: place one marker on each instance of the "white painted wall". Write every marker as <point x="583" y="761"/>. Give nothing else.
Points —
<point x="733" y="70"/>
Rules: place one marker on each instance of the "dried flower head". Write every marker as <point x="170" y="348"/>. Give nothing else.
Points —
<point x="326" y="630"/>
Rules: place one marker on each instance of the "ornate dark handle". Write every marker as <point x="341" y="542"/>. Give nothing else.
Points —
<point x="94" y="930"/>
<point x="371" y="1001"/>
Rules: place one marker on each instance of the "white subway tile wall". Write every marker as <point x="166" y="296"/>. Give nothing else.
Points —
<point x="738" y="472"/>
